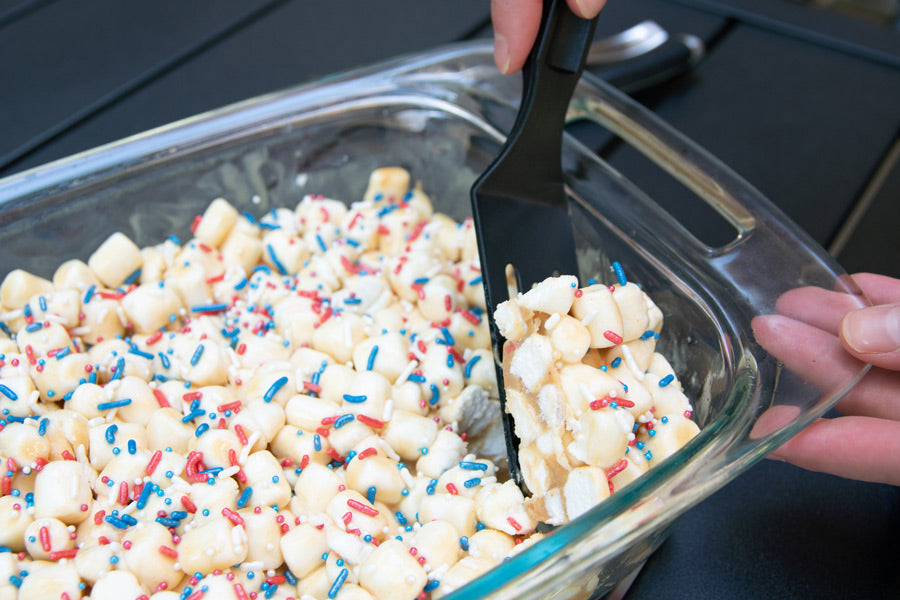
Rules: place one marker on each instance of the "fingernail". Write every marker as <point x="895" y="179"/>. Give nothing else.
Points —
<point x="501" y="53"/>
<point x="872" y="330"/>
<point x="588" y="8"/>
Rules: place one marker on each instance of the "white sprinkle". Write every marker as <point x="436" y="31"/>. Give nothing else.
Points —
<point x="589" y="317"/>
<point x="552" y="321"/>
<point x="632" y="364"/>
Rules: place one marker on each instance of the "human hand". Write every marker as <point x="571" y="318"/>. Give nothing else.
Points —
<point x="516" y="24"/>
<point x="815" y="333"/>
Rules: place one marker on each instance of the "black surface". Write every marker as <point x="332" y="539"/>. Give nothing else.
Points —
<point x="801" y="102"/>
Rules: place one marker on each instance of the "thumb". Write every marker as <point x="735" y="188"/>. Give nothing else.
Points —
<point x="872" y="334"/>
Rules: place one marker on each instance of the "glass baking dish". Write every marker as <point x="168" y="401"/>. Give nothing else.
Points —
<point x="442" y="115"/>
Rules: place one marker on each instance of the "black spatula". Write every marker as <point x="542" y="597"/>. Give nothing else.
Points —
<point x="519" y="203"/>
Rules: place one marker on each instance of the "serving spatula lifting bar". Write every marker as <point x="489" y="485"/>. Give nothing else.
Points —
<point x="519" y="203"/>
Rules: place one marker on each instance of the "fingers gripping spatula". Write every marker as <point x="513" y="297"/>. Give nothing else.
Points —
<point x="519" y="202"/>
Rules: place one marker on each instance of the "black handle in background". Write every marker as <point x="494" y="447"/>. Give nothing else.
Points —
<point x="677" y="56"/>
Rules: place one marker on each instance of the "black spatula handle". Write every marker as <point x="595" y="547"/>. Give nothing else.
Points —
<point x="555" y="62"/>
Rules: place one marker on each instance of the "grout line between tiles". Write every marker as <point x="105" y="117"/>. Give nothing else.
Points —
<point x="861" y="206"/>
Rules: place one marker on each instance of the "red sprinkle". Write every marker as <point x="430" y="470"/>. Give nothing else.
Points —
<point x="612" y="336"/>
<point x="7" y="485"/>
<point x="448" y="302"/>
<point x="191" y="396"/>
<point x="123" y="493"/>
<point x="334" y="454"/>
<point x="470" y="317"/>
<point x="45" y="539"/>
<point x="312" y="387"/>
<point x="60" y="554"/>
<point x="98" y="517"/>
<point x="229" y="406"/>
<point x="514" y="523"/>
<point x="624" y="402"/>
<point x="161" y="399"/>
<point x="241" y="435"/>
<point x="452" y="489"/>
<point x="232" y="516"/>
<point x="366" y="453"/>
<point x="216" y="279"/>
<point x="154" y="462"/>
<point x="188" y="504"/>
<point x="154" y="338"/>
<point x="239" y="592"/>
<point x="242" y="347"/>
<point x="616" y="468"/>
<point x="601" y="403"/>
<point x="366" y="420"/>
<point x="276" y="580"/>
<point x="363" y="508"/>
<point x="579" y="293"/>
<point x="196" y="223"/>
<point x="196" y="595"/>
<point x="304" y="462"/>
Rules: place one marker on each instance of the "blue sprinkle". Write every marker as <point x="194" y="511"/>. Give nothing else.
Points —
<point x="193" y="415"/>
<point x="132" y="447"/>
<point x="470" y="483"/>
<point x="616" y="362"/>
<point x="431" y="585"/>
<point x="665" y="419"/>
<point x="321" y="243"/>
<point x="64" y="352"/>
<point x="89" y="294"/>
<point x="338" y="582"/>
<point x="464" y="543"/>
<point x="42" y="426"/>
<point x="343" y="420"/>
<point x="620" y="273"/>
<point x="245" y="497"/>
<point x="15" y="580"/>
<point x="666" y="380"/>
<point x="435" y="394"/>
<point x="114" y="404"/>
<point x="400" y="518"/>
<point x="275" y="260"/>
<point x="472" y="466"/>
<point x="119" y="371"/>
<point x="475" y="281"/>
<point x="370" y="494"/>
<point x="164" y="360"/>
<point x="197" y="354"/>
<point x="291" y="578"/>
<point x="449" y="361"/>
<point x="135" y="350"/>
<point x="133" y="277"/>
<point x="42" y="302"/>
<point x="274" y="388"/>
<point x="36" y="326"/>
<point x="145" y="495"/>
<point x="470" y="364"/>
<point x="317" y="443"/>
<point x="166" y="522"/>
<point x="372" y="354"/>
<point x="117" y="522"/>
<point x="8" y="392"/>
<point x="111" y="433"/>
<point x="205" y="308"/>
<point x="649" y="334"/>
<point x="648" y="455"/>
<point x="416" y="378"/>
<point x="651" y="433"/>
<point x="354" y="399"/>
<point x="201" y="429"/>
<point x="448" y="339"/>
<point x="241" y="284"/>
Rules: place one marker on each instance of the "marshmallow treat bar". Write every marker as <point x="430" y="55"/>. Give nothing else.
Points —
<point x="300" y="405"/>
<point x="594" y="405"/>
